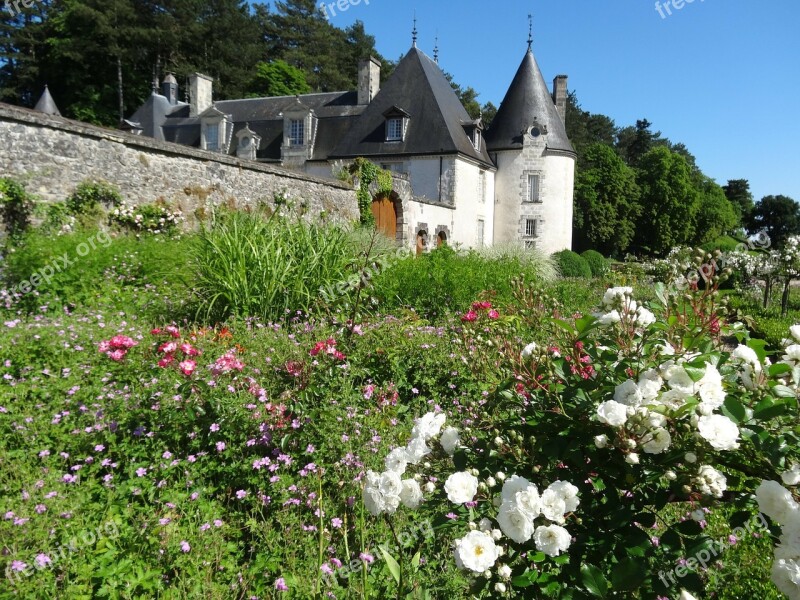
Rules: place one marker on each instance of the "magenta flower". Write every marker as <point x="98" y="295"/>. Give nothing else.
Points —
<point x="241" y="494"/>
<point x="185" y="547"/>
<point x="280" y="584"/>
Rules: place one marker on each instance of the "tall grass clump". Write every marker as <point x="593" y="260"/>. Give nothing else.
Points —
<point x="247" y="265"/>
<point x="445" y="281"/>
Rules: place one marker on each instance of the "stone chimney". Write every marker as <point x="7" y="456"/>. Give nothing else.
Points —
<point x="200" y="93"/>
<point x="369" y="80"/>
<point x="560" y="96"/>
<point x="169" y="88"/>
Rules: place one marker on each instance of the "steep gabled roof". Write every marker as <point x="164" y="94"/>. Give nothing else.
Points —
<point x="46" y="104"/>
<point x="419" y="88"/>
<point x="527" y="100"/>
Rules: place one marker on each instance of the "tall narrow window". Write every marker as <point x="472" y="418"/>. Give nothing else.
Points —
<point x="394" y="130"/>
<point x="297" y="132"/>
<point x="530" y="227"/>
<point x="481" y="227"/>
<point x="482" y="187"/>
<point x="212" y="137"/>
<point x="533" y="189"/>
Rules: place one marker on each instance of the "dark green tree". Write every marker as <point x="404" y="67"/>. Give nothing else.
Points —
<point x="606" y="202"/>
<point x="488" y="113"/>
<point x="634" y="142"/>
<point x="716" y="216"/>
<point x="779" y="216"/>
<point x="739" y="194"/>
<point x="669" y="199"/>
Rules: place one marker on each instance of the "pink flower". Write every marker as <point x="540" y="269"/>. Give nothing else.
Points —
<point x="166" y="361"/>
<point x="221" y="447"/>
<point x="241" y="494"/>
<point x="280" y="584"/>
<point x="189" y="350"/>
<point x="104" y="346"/>
<point x="117" y="355"/>
<point x="185" y="547"/>
<point x="493" y="314"/>
<point x="168" y="347"/>
<point x="470" y="317"/>
<point x="187" y="367"/>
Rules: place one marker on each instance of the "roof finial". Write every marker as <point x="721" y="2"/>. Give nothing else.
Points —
<point x="436" y="49"/>
<point x="530" y="31"/>
<point x="414" y="32"/>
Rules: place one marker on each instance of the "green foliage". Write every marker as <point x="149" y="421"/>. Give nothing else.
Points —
<point x="277" y="78"/>
<point x="779" y="216"/>
<point x="92" y="196"/>
<point x="249" y="266"/>
<point x="716" y="216"/>
<point x="444" y="281"/>
<point x="738" y="193"/>
<point x="669" y="200"/>
<point x="571" y="264"/>
<point x="156" y="218"/>
<point x="16" y="207"/>
<point x="596" y="261"/>
<point x="724" y="243"/>
<point x="366" y="172"/>
<point x="606" y="202"/>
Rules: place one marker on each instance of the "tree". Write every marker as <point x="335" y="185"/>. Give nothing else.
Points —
<point x="738" y="192"/>
<point x="634" y="142"/>
<point x="468" y="97"/>
<point x="716" y="216"/>
<point x="585" y="128"/>
<point x="669" y="201"/>
<point x="277" y="78"/>
<point x="779" y="216"/>
<point x="488" y="113"/>
<point x="606" y="202"/>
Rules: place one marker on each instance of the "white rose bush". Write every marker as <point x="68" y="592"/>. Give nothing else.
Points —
<point x="562" y="481"/>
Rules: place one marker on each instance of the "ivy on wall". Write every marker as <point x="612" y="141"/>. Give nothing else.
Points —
<point x="366" y="172"/>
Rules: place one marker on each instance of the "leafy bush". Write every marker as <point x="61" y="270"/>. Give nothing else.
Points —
<point x="571" y="264"/>
<point x="90" y="196"/>
<point x="16" y="206"/>
<point x="445" y="281"/>
<point x="597" y="262"/>
<point x="724" y="244"/>
<point x="246" y="265"/>
<point x="156" y="218"/>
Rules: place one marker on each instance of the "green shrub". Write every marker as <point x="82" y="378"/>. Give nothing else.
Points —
<point x="597" y="262"/>
<point x="443" y="281"/>
<point x="16" y="206"/>
<point x="571" y="264"/>
<point x="248" y="266"/>
<point x="724" y="244"/>
<point x="90" y="196"/>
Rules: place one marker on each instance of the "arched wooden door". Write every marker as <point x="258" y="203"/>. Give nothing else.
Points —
<point x="385" y="214"/>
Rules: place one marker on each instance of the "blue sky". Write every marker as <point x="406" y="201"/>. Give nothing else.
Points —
<point x="721" y="76"/>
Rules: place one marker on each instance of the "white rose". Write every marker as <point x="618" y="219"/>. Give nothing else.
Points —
<point x="776" y="501"/>
<point x="610" y="318"/>
<point x="430" y="487"/>
<point x="710" y="388"/>
<point x="786" y="576"/>
<point x="528" y="501"/>
<point x="428" y="426"/>
<point x="601" y="441"/>
<point x="416" y="450"/>
<point x="719" y="431"/>
<point x="632" y="458"/>
<point x="711" y="482"/>
<point x="568" y="493"/>
<point x="552" y="539"/>
<point x="790" y="538"/>
<point x="500" y="587"/>
<point x="461" y="487"/>
<point x="397" y="461"/>
<point x="504" y="572"/>
<point x="792" y="476"/>
<point x="382" y="492"/>
<point x="657" y="441"/>
<point x="450" y="440"/>
<point x="529" y="350"/>
<point x="679" y="380"/>
<point x="628" y="393"/>
<point x="644" y="317"/>
<point x="690" y="457"/>
<point x="612" y="413"/>
<point x="485" y="524"/>
<point x="616" y="295"/>
<point x="650" y="383"/>
<point x="512" y="485"/>
<point x="476" y="551"/>
<point x="411" y="495"/>
<point x="686" y="596"/>
<point x="553" y="505"/>
<point x="491" y="482"/>
<point x="514" y="522"/>
<point x="795" y="331"/>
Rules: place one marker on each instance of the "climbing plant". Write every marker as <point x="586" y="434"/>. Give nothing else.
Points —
<point x="366" y="172"/>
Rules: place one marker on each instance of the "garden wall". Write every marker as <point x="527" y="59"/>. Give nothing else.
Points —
<point x="52" y="155"/>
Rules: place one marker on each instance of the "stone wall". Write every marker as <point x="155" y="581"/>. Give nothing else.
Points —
<point x="52" y="155"/>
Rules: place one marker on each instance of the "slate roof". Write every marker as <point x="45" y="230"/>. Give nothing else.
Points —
<point x="437" y="117"/>
<point x="527" y="99"/>
<point x="46" y="104"/>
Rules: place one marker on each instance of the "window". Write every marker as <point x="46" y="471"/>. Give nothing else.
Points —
<point x="212" y="137"/>
<point x="476" y="140"/>
<point x="297" y="132"/>
<point x="482" y="187"/>
<point x="393" y="167"/>
<point x="530" y="244"/>
<point x="530" y="227"/>
<point x="533" y="189"/>
<point x="394" y="129"/>
<point x="481" y="226"/>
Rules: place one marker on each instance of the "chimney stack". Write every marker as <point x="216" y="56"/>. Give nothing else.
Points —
<point x="200" y="94"/>
<point x="169" y="89"/>
<point x="560" y="96"/>
<point x="369" y="80"/>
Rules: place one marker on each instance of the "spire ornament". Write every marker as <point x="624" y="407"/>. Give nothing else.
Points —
<point x="530" y="31"/>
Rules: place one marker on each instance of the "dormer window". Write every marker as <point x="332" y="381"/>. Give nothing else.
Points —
<point x="396" y="124"/>
<point x="474" y="130"/>
<point x="215" y="130"/>
<point x="394" y="130"/>
<point x="297" y="132"/>
<point x="476" y="139"/>
<point x="212" y="136"/>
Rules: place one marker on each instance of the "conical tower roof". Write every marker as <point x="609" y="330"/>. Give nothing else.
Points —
<point x="46" y="104"/>
<point x="528" y="100"/>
